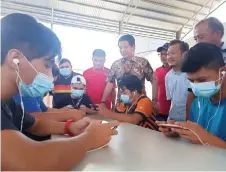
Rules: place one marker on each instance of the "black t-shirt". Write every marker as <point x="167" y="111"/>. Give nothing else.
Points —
<point x="76" y="103"/>
<point x="62" y="89"/>
<point x="11" y="115"/>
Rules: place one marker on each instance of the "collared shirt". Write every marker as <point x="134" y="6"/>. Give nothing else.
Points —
<point x="164" y="104"/>
<point x="96" y="81"/>
<point x="141" y="106"/>
<point x="137" y="66"/>
<point x="177" y="85"/>
<point x="223" y="48"/>
<point x="203" y="111"/>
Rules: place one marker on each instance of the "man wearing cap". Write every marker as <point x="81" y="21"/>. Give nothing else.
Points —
<point x="79" y="99"/>
<point x="163" y="103"/>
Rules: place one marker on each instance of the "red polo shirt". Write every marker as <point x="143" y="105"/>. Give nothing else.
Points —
<point x="164" y="104"/>
<point x="96" y="81"/>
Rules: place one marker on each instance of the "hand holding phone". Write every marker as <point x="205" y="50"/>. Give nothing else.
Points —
<point x="104" y="122"/>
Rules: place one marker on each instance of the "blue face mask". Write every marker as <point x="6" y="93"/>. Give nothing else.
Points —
<point x="125" y="99"/>
<point x="77" y="93"/>
<point x="205" y="89"/>
<point x="65" y="71"/>
<point x="39" y="87"/>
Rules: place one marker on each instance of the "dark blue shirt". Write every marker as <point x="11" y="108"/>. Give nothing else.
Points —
<point x="31" y="104"/>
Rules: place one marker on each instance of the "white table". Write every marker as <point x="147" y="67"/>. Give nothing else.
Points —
<point x="137" y="148"/>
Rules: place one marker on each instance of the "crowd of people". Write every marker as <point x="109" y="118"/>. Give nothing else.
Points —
<point x="188" y="90"/>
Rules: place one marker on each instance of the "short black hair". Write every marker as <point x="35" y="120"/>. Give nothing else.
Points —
<point x="99" y="53"/>
<point x="183" y="45"/>
<point x="55" y="70"/>
<point x="33" y="39"/>
<point x="205" y="55"/>
<point x="129" y="38"/>
<point x="64" y="60"/>
<point x="132" y="83"/>
<point x="214" y="24"/>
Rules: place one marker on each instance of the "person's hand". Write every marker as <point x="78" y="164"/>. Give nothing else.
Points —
<point x="166" y="131"/>
<point x="76" y="114"/>
<point x="100" y="134"/>
<point x="104" y="111"/>
<point x="79" y="127"/>
<point x="195" y="134"/>
<point x="155" y="107"/>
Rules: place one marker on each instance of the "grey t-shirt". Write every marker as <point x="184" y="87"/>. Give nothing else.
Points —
<point x="177" y="85"/>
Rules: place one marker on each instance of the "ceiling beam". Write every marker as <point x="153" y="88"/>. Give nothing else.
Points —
<point x="172" y="7"/>
<point x="120" y="12"/>
<point x="193" y="3"/>
<point x="82" y="15"/>
<point x="76" y="20"/>
<point x="147" y="9"/>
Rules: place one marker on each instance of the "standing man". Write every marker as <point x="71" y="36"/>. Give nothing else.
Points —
<point x="96" y="80"/>
<point x="130" y="64"/>
<point x="62" y="83"/>
<point x="163" y="103"/>
<point x="176" y="82"/>
<point x="209" y="30"/>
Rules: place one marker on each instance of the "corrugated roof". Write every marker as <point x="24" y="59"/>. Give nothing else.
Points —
<point x="159" y="19"/>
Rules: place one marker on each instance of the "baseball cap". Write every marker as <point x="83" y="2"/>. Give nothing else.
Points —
<point x="78" y="79"/>
<point x="164" y="47"/>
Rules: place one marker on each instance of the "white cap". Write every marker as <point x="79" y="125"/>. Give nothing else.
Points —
<point x="78" y="79"/>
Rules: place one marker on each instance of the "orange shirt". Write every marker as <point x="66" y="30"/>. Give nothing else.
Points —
<point x="96" y="81"/>
<point x="143" y="107"/>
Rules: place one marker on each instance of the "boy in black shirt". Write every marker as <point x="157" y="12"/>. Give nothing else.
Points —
<point x="79" y="99"/>
<point x="28" y="51"/>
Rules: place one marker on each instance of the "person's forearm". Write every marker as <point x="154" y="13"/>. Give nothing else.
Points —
<point x="47" y="127"/>
<point x="63" y="154"/>
<point x="107" y="91"/>
<point x="90" y="111"/>
<point x="52" y="155"/>
<point x="51" y="116"/>
<point x="122" y="117"/>
<point x="214" y="141"/>
<point x="60" y="116"/>
<point x="154" y="88"/>
<point x="113" y="97"/>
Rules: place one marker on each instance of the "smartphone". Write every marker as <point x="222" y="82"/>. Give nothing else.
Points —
<point x="171" y="126"/>
<point x="94" y="107"/>
<point x="104" y="122"/>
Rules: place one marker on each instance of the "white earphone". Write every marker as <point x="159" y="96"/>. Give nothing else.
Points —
<point x="223" y="72"/>
<point x="16" y="61"/>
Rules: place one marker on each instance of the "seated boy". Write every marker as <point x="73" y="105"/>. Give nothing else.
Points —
<point x="79" y="99"/>
<point x="135" y="107"/>
<point x="206" y="70"/>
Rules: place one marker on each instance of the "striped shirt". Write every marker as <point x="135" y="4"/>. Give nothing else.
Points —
<point x="177" y="85"/>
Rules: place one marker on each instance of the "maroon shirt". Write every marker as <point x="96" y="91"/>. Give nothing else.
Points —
<point x="164" y="104"/>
